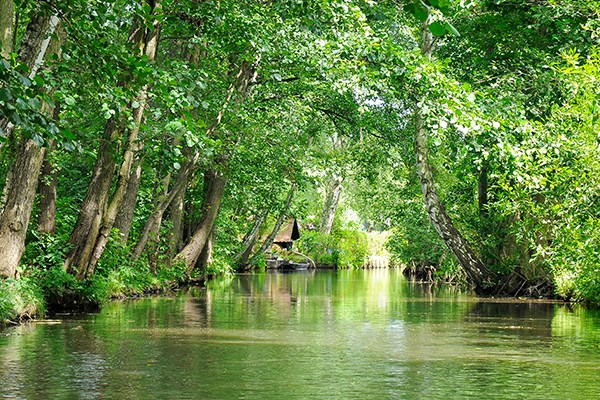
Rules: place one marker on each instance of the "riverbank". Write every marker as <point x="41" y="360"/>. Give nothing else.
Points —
<point x="34" y="294"/>
<point x="25" y="299"/>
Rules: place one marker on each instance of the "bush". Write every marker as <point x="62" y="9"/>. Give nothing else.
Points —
<point x="20" y="299"/>
<point x="345" y="248"/>
<point x="322" y="249"/>
<point x="353" y="248"/>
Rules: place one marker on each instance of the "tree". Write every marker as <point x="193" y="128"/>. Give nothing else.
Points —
<point x="22" y="179"/>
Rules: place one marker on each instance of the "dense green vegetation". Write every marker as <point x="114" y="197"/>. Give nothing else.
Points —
<point x="147" y="143"/>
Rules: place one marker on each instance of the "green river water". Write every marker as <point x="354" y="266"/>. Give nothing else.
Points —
<point x="366" y="334"/>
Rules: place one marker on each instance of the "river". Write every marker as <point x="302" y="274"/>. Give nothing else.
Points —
<point x="359" y="334"/>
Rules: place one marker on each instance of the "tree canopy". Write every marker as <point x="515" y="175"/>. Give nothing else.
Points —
<point x="167" y="138"/>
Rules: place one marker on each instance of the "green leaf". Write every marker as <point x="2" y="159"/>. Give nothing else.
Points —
<point x="37" y="139"/>
<point x="421" y="13"/>
<point x="68" y="134"/>
<point x="451" y="29"/>
<point x="24" y="80"/>
<point x="5" y="94"/>
<point x="135" y="104"/>
<point x="437" y="28"/>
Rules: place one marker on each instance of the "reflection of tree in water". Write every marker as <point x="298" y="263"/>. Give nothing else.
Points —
<point x="197" y="310"/>
<point x="518" y="319"/>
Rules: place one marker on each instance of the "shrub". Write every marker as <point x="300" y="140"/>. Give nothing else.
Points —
<point x="345" y="248"/>
<point x="20" y="299"/>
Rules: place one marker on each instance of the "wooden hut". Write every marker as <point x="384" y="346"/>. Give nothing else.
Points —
<point x="286" y="236"/>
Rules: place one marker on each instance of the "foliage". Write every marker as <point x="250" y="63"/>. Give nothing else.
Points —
<point x="321" y="248"/>
<point x="20" y="299"/>
<point x="343" y="248"/>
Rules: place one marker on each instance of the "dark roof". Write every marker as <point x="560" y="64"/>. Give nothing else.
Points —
<point x="288" y="233"/>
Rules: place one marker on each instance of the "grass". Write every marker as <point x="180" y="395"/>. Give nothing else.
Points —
<point x="20" y="300"/>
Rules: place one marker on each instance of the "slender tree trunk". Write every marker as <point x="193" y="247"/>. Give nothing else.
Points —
<point x="215" y="182"/>
<point x="7" y="26"/>
<point x="22" y="182"/>
<point x="47" y="191"/>
<point x="48" y="184"/>
<point x="175" y="235"/>
<point x="250" y="239"/>
<point x="476" y="271"/>
<point x="280" y="219"/>
<point x="482" y="191"/>
<point x="124" y="219"/>
<point x="332" y="199"/>
<point x="206" y="256"/>
<point x="155" y="218"/>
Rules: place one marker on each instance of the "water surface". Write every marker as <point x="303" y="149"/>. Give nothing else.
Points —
<point x="310" y="335"/>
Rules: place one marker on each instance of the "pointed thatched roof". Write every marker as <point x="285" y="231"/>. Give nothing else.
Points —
<point x="288" y="233"/>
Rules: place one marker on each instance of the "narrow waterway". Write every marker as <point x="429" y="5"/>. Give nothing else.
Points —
<point x="311" y="335"/>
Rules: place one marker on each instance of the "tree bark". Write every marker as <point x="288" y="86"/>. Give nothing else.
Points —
<point x="206" y="256"/>
<point x="175" y="235"/>
<point x="124" y="219"/>
<point x="215" y="182"/>
<point x="280" y="219"/>
<point x="6" y="27"/>
<point x="482" y="191"/>
<point x="476" y="271"/>
<point x="250" y="239"/>
<point x="47" y="191"/>
<point x="14" y="219"/>
<point x="332" y="199"/>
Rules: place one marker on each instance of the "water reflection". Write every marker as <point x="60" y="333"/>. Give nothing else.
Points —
<point x="322" y="335"/>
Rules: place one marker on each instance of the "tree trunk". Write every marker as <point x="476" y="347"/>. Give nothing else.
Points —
<point x="14" y="219"/>
<point x="482" y="191"/>
<point x="94" y="205"/>
<point x="206" y="256"/>
<point x="332" y="199"/>
<point x="476" y="271"/>
<point x="22" y="183"/>
<point x="47" y="191"/>
<point x="241" y="259"/>
<point x="215" y="182"/>
<point x="126" y="212"/>
<point x="282" y="215"/>
<point x="175" y="235"/>
<point x="155" y="218"/>
<point x="6" y="27"/>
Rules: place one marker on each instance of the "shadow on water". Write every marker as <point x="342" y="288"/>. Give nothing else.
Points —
<point x="319" y="335"/>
